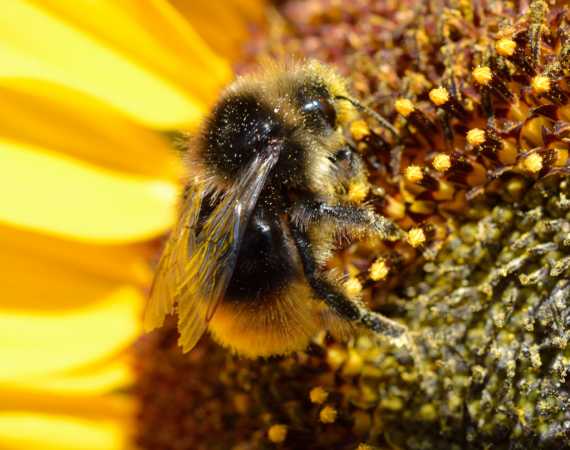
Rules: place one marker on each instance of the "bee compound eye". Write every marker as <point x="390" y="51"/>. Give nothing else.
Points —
<point x="321" y="109"/>
<point x="344" y="154"/>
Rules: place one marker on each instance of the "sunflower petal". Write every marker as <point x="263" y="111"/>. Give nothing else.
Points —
<point x="251" y="10"/>
<point x="46" y="285"/>
<point x="65" y="197"/>
<point x="55" y="117"/>
<point x="32" y="343"/>
<point x="112" y="376"/>
<point x="76" y="59"/>
<point x="23" y="249"/>
<point x="207" y="18"/>
<point x="51" y="432"/>
<point x="97" y="406"/>
<point x="154" y="36"/>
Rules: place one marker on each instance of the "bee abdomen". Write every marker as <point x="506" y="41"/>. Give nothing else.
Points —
<point x="265" y="264"/>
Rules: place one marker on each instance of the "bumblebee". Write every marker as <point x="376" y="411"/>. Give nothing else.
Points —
<point x="272" y="182"/>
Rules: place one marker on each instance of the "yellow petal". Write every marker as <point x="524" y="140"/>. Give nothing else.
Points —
<point x="56" y="51"/>
<point x="46" y="432"/>
<point x="251" y="10"/>
<point x="51" y="116"/>
<point x="23" y="249"/>
<point x="89" y="380"/>
<point x="152" y="34"/>
<point x="44" y="286"/>
<point x="58" y="195"/>
<point x="106" y="406"/>
<point x="224" y="28"/>
<point x="32" y="343"/>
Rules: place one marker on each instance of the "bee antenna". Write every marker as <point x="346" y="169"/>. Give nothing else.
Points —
<point x="371" y="112"/>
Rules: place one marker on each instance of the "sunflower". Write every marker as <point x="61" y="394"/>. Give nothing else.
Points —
<point x="89" y="91"/>
<point x="479" y="93"/>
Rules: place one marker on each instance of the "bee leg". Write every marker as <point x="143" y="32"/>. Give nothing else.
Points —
<point x="350" y="217"/>
<point x="342" y="305"/>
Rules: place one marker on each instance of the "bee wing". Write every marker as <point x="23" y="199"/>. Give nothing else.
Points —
<point x="217" y="246"/>
<point x="211" y="256"/>
<point x="175" y="256"/>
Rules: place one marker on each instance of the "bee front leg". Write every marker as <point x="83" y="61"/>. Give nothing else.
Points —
<point x="348" y="309"/>
<point x="356" y="219"/>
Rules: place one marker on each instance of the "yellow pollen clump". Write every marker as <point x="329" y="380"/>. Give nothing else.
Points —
<point x="414" y="173"/>
<point x="359" y="129"/>
<point x="357" y="191"/>
<point x="241" y="403"/>
<point x="277" y="433"/>
<point x="540" y="84"/>
<point x="505" y="47"/>
<point x="476" y="137"/>
<point x="533" y="163"/>
<point x="441" y="162"/>
<point x="353" y="287"/>
<point x="482" y="75"/>
<point x="394" y="208"/>
<point x="404" y="106"/>
<point x="416" y="237"/>
<point x="439" y="96"/>
<point x="422" y="37"/>
<point x="379" y="270"/>
<point x="318" y="395"/>
<point x="336" y="356"/>
<point x="354" y="363"/>
<point x="328" y="414"/>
